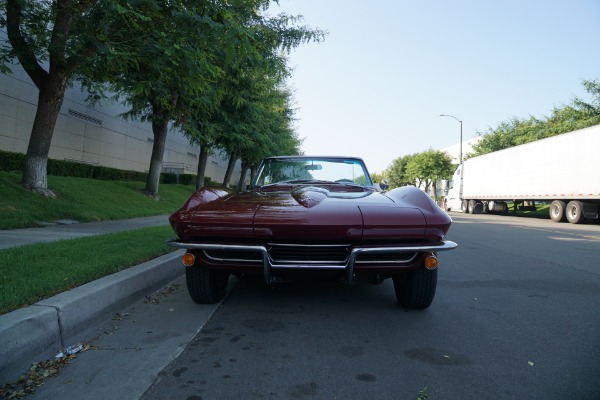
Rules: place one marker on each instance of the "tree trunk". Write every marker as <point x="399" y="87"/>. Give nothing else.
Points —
<point x="202" y="159"/>
<point x="50" y="99"/>
<point x="241" y="185"/>
<point x="252" y="173"/>
<point x="51" y="86"/>
<point x="158" y="149"/>
<point x="230" y="166"/>
<point x="160" y="127"/>
<point x="427" y="184"/>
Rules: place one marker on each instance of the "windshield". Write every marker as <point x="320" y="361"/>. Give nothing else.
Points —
<point x="312" y="170"/>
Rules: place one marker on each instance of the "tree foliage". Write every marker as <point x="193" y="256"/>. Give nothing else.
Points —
<point x="166" y="59"/>
<point x="428" y="167"/>
<point x="208" y="63"/>
<point x="253" y="116"/>
<point x="171" y="72"/>
<point x="396" y="172"/>
<point x="577" y="115"/>
<point x="420" y="169"/>
<point x="55" y="42"/>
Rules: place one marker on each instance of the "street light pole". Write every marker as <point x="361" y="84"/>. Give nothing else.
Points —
<point x="460" y="159"/>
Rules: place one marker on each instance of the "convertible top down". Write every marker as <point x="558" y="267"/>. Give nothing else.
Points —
<point x="309" y="217"/>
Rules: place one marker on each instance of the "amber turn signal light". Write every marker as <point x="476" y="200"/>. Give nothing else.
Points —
<point x="188" y="259"/>
<point x="431" y="262"/>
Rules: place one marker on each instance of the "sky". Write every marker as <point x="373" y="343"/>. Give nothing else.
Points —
<point x="376" y="86"/>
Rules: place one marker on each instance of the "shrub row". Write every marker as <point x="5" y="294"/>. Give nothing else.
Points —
<point x="185" y="179"/>
<point x="14" y="162"/>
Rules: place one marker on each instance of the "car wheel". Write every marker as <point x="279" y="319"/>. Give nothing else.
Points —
<point x="416" y="289"/>
<point x="206" y="286"/>
<point x="557" y="211"/>
<point x="574" y="212"/>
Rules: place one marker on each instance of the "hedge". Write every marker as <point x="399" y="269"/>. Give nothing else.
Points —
<point x="14" y="162"/>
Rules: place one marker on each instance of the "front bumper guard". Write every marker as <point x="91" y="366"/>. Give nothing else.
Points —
<point x="349" y="266"/>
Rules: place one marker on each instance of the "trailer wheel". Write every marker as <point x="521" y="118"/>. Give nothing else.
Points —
<point x="557" y="211"/>
<point x="575" y="212"/>
<point x="485" y="209"/>
<point x="471" y="206"/>
<point x="464" y="206"/>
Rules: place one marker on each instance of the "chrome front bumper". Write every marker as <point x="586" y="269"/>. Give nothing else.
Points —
<point x="268" y="265"/>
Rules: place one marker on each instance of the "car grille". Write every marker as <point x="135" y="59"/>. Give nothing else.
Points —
<point x="282" y="254"/>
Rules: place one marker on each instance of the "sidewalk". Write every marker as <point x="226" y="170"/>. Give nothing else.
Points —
<point x="71" y="229"/>
<point x="38" y="332"/>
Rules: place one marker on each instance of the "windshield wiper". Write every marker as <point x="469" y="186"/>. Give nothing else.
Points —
<point x="305" y="181"/>
<point x="316" y="181"/>
<point x="295" y="181"/>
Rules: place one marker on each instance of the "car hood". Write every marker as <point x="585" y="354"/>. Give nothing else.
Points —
<point x="303" y="213"/>
<point x="317" y="213"/>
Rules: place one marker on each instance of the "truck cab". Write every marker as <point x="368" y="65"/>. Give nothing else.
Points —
<point x="453" y="200"/>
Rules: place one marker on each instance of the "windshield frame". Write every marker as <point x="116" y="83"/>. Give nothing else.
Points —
<point x="258" y="180"/>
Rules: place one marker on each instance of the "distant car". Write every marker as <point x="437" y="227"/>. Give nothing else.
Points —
<point x="312" y="217"/>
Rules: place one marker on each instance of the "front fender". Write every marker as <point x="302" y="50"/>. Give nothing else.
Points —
<point x="202" y="196"/>
<point x="438" y="222"/>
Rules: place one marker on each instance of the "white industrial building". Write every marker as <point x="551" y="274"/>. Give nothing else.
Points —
<point x="467" y="148"/>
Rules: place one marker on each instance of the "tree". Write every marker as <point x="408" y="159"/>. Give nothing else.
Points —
<point x="577" y="115"/>
<point x="253" y="111"/>
<point x="190" y="47"/>
<point x="260" y="126"/>
<point x="396" y="172"/>
<point x="428" y="167"/>
<point x="377" y="176"/>
<point x="200" y="133"/>
<point x="158" y="54"/>
<point x="277" y="136"/>
<point x="55" y="42"/>
<point x="170" y="77"/>
<point x="265" y="125"/>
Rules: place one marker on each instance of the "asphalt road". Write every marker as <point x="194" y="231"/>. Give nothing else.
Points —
<point x="516" y="316"/>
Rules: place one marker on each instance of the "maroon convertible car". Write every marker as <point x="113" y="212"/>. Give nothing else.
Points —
<point x="312" y="217"/>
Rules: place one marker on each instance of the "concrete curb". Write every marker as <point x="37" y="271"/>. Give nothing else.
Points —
<point x="38" y="332"/>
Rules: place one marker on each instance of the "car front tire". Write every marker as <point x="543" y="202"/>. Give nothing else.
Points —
<point x="206" y="286"/>
<point x="416" y="289"/>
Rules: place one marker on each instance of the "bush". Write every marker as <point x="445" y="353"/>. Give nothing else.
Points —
<point x="70" y="168"/>
<point x="187" y="179"/>
<point x="11" y="162"/>
<point x="14" y="162"/>
<point x="168" y="178"/>
<point x="181" y="179"/>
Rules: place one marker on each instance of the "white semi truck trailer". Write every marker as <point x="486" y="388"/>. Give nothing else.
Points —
<point x="563" y="170"/>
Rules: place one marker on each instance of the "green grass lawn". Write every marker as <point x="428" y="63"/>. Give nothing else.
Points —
<point x="542" y="211"/>
<point x="83" y="200"/>
<point x="35" y="272"/>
